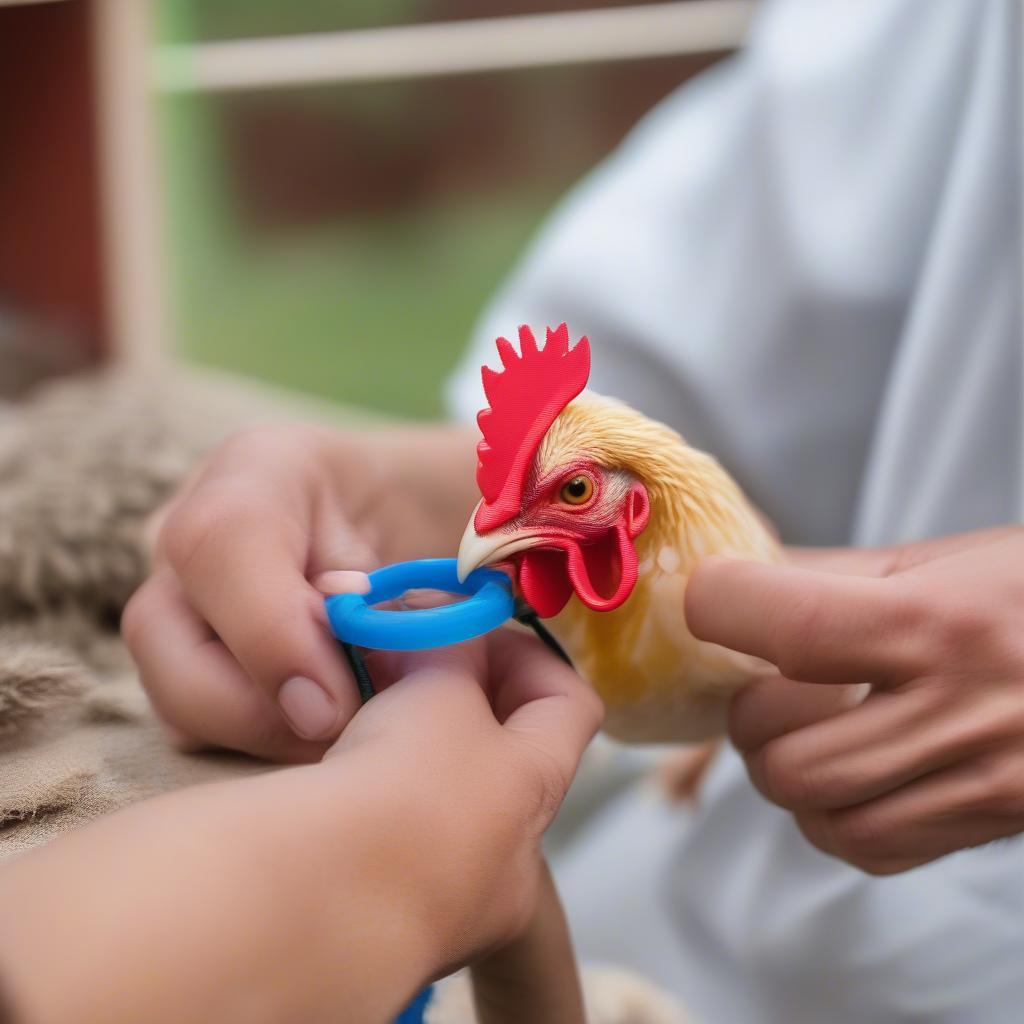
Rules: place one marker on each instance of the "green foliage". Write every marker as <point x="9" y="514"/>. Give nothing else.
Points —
<point x="373" y="313"/>
<point x="372" y="310"/>
<point x="185" y="20"/>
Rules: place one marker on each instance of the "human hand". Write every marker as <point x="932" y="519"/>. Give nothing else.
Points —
<point x="470" y="753"/>
<point x="229" y="631"/>
<point x="411" y="849"/>
<point x="932" y="760"/>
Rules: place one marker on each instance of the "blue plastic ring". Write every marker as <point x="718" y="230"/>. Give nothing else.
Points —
<point x="489" y="604"/>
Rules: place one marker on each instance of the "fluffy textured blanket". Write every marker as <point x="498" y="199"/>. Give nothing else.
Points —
<point x="82" y="464"/>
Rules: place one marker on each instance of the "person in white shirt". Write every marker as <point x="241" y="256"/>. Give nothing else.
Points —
<point x="809" y="262"/>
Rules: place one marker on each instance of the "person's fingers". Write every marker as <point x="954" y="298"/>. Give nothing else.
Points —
<point x="509" y="683"/>
<point x="335" y="545"/>
<point x="440" y="686"/>
<point x="772" y="707"/>
<point x="912" y="556"/>
<point x="342" y="581"/>
<point x="873" y="562"/>
<point x="508" y="678"/>
<point x="195" y="684"/>
<point x="880" y="746"/>
<point x="542" y="701"/>
<point x="815" y="627"/>
<point x="153" y="528"/>
<point x="427" y="702"/>
<point x="943" y="812"/>
<point x="893" y="559"/>
<point x="241" y="560"/>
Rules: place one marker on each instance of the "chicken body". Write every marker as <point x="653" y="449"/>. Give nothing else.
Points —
<point x="658" y="682"/>
<point x="601" y="521"/>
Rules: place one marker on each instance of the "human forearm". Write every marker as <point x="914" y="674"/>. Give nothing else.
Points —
<point x="321" y="893"/>
<point x="534" y="977"/>
<point x="259" y="900"/>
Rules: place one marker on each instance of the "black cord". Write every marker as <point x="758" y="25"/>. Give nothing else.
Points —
<point x="528" y="617"/>
<point x="356" y="662"/>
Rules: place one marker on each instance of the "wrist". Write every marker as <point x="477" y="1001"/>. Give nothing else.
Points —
<point x="264" y="892"/>
<point x="356" y="868"/>
<point x="454" y="853"/>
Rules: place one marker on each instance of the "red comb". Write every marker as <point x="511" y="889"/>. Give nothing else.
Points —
<point x="525" y="399"/>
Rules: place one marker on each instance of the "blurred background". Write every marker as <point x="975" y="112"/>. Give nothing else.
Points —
<point x="317" y="193"/>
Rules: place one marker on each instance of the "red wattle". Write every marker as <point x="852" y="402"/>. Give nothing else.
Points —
<point x="602" y="569"/>
<point x="543" y="580"/>
<point x="618" y="548"/>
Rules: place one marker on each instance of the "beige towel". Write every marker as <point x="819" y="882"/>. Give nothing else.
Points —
<point x="82" y="464"/>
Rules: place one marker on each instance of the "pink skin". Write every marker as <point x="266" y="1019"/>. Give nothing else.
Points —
<point x="585" y="548"/>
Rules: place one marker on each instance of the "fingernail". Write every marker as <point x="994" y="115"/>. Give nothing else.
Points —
<point x="342" y="581"/>
<point x="310" y="710"/>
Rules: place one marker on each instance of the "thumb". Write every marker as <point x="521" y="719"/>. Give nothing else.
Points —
<point x="542" y="701"/>
<point x="423" y="697"/>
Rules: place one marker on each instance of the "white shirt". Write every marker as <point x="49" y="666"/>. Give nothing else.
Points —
<point x="808" y="261"/>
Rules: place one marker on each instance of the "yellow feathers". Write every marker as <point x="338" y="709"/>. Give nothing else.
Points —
<point x="657" y="680"/>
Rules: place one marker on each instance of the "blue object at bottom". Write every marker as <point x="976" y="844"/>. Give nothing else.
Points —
<point x="413" y="1013"/>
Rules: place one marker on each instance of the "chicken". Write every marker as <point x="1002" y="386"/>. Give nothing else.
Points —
<point x="599" y="514"/>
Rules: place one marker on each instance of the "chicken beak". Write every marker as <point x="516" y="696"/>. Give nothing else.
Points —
<point x="476" y="550"/>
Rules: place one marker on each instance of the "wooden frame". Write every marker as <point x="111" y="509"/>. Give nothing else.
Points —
<point x="79" y="182"/>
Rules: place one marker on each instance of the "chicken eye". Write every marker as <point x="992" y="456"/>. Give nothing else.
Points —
<point x="577" y="491"/>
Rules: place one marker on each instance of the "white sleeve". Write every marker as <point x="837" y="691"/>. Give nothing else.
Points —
<point x="742" y="264"/>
